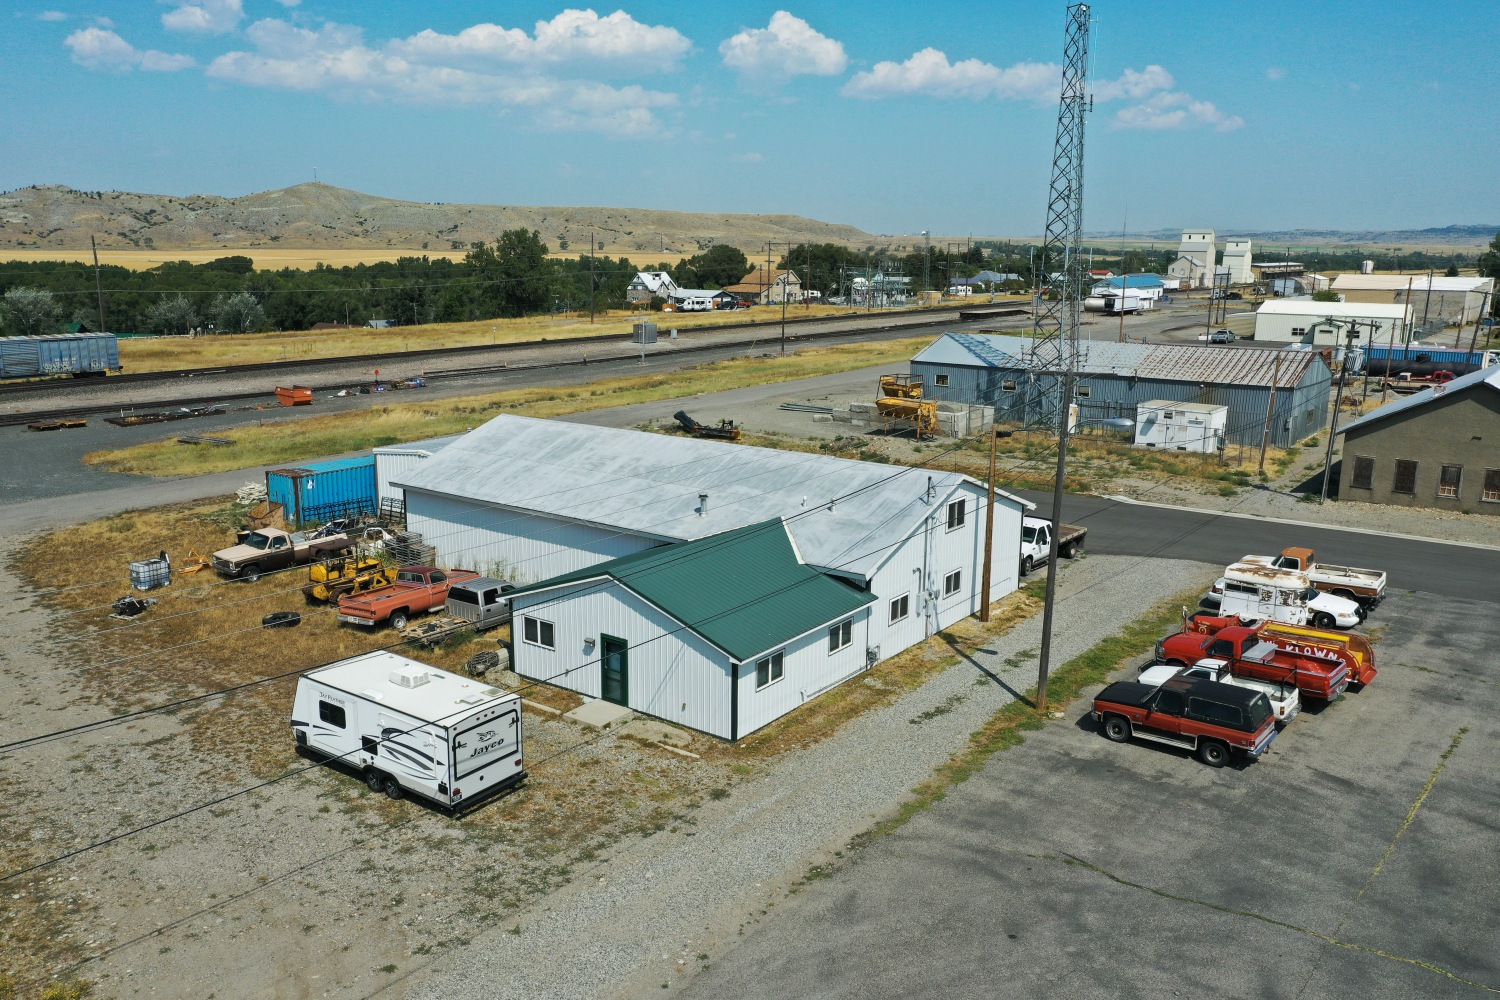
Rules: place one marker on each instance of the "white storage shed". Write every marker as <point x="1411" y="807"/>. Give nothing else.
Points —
<point x="1324" y="324"/>
<point x="526" y="500"/>
<point x="1174" y="426"/>
<point x="724" y="634"/>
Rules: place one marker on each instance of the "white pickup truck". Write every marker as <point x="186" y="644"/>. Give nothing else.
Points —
<point x="1285" y="700"/>
<point x="1364" y="586"/>
<point x="1036" y="542"/>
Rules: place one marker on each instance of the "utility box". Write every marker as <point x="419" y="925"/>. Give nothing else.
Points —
<point x="148" y="574"/>
<point x="322" y="491"/>
<point x="643" y="333"/>
<point x="1173" y="426"/>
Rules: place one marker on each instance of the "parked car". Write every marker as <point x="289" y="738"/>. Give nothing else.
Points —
<point x="1285" y="699"/>
<point x="1036" y="542"/>
<point x="1234" y="297"/>
<point x="1221" y="337"/>
<point x="1211" y="719"/>
<point x="1256" y="657"/>
<point x="417" y="590"/>
<point x="1364" y="586"/>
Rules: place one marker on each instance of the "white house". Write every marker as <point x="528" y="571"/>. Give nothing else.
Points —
<point x="527" y="500"/>
<point x="723" y="634"/>
<point x="1325" y="324"/>
<point x="647" y="285"/>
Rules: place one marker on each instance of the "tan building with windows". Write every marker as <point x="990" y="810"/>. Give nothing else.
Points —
<point x="767" y="288"/>
<point x="1437" y="448"/>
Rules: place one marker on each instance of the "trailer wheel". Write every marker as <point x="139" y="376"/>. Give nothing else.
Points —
<point x="374" y="779"/>
<point x="1213" y="753"/>
<point x="1322" y="619"/>
<point x="393" y="789"/>
<point x="1116" y="728"/>
<point x="399" y="619"/>
<point x="1026" y="566"/>
<point x="281" y="619"/>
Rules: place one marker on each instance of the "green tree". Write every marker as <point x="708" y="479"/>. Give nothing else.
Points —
<point x="822" y="266"/>
<point x="1489" y="261"/>
<point x="173" y="316"/>
<point x="1452" y="271"/>
<point x="30" y="311"/>
<point x="716" y="267"/>
<point x="1326" y="295"/>
<point x="238" y="313"/>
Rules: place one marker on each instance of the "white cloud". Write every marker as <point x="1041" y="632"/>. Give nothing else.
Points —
<point x="1274" y="73"/>
<point x="334" y="59"/>
<point x="1134" y="84"/>
<point x="930" y="74"/>
<point x="205" y="17"/>
<point x="788" y="46"/>
<point x="749" y="158"/>
<point x="52" y="15"/>
<point x="96" y="48"/>
<point x="1175" y="110"/>
<point x="616" y="43"/>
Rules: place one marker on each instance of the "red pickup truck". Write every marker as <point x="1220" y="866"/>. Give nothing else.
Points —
<point x="1253" y="656"/>
<point x="416" y="589"/>
<point x="1349" y="648"/>
<point x="1211" y="719"/>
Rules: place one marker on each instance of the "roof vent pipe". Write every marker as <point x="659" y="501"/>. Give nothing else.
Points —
<point x="702" y="504"/>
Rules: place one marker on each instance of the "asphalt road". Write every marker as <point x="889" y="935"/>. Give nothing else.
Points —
<point x="1357" y="859"/>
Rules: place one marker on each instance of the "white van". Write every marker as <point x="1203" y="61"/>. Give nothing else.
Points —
<point x="407" y="727"/>
<point x="1252" y="591"/>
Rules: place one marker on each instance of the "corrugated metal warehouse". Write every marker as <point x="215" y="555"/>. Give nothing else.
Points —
<point x="395" y="460"/>
<point x="1114" y="379"/>
<point x="724" y="634"/>
<point x="1325" y="324"/>
<point x="526" y="500"/>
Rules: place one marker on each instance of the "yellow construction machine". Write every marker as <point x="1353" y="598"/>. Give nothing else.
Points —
<point x="901" y="398"/>
<point x="331" y="579"/>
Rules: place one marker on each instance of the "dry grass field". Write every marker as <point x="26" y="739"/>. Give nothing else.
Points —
<point x="174" y="353"/>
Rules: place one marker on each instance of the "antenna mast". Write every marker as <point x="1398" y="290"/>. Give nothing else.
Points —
<point x="1059" y="313"/>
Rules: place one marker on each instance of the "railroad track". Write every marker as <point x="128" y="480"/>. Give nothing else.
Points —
<point x="12" y="419"/>
<point x="397" y="357"/>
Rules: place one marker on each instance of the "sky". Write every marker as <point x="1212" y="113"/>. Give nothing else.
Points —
<point x="893" y="117"/>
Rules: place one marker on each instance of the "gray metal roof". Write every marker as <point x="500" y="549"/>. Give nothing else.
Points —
<point x="1167" y="362"/>
<point x="845" y="516"/>
<point x="1485" y="376"/>
<point x="430" y="445"/>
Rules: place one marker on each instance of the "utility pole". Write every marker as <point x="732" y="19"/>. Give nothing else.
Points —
<point x="1338" y="404"/>
<point x="591" y="277"/>
<point x="99" y="285"/>
<point x="989" y="525"/>
<point x="1265" y="435"/>
<point x="926" y="261"/>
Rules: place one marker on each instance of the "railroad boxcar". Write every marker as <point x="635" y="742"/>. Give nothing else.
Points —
<point x="76" y="354"/>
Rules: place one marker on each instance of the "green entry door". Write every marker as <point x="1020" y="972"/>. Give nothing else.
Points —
<point x="614" y="662"/>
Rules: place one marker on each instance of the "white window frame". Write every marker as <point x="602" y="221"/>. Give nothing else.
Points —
<point x="940" y="380"/>
<point x="1486" y="494"/>
<point x="953" y="583"/>
<point x="775" y="665"/>
<point x="1457" y="487"/>
<point x="530" y="622"/>
<point x="905" y="602"/>
<point x="840" y="636"/>
<point x="959" y="507"/>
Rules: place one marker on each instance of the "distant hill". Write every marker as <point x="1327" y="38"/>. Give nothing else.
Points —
<point x="1447" y="236"/>
<point x="320" y="215"/>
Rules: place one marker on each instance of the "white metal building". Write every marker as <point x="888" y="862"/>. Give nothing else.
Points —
<point x="1196" y="258"/>
<point x="1452" y="301"/>
<point x="1236" y="261"/>
<point x="1303" y="321"/>
<point x="396" y="460"/>
<point x="723" y="634"/>
<point x="526" y="500"/>
<point x="1176" y="426"/>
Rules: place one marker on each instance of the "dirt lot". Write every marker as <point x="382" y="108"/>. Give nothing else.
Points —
<point x="258" y="852"/>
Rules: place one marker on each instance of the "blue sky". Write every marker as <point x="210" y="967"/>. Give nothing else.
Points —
<point x="894" y="117"/>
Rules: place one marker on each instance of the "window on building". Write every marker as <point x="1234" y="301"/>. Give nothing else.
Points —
<point x="538" y="632"/>
<point x="1405" y="480"/>
<point x="956" y="511"/>
<point x="940" y="379"/>
<point x="1299" y="331"/>
<point x="1083" y="391"/>
<point x="769" y="670"/>
<point x="1008" y="385"/>
<point x="900" y="608"/>
<point x="1450" y="481"/>
<point x="953" y="582"/>
<point x="840" y="635"/>
<point x="332" y="714"/>
<point x="1491" y="486"/>
<point x="1363" y="477"/>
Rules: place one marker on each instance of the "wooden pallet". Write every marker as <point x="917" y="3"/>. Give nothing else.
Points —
<point x="57" y="425"/>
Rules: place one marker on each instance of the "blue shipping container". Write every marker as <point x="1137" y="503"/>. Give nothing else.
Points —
<point x="59" y="354"/>
<point x="1443" y="356"/>
<point x="322" y="491"/>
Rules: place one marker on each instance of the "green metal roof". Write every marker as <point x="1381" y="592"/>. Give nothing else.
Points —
<point x="745" y="591"/>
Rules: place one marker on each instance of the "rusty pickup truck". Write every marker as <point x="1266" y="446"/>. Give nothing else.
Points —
<point x="416" y="590"/>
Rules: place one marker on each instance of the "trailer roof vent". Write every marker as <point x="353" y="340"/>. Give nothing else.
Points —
<point x="410" y="676"/>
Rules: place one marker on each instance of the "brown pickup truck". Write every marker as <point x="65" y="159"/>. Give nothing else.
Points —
<point x="417" y="589"/>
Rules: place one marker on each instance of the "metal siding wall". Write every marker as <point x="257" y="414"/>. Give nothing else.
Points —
<point x="393" y="466"/>
<point x="810" y="669"/>
<point x="673" y="673"/>
<point x="522" y="547"/>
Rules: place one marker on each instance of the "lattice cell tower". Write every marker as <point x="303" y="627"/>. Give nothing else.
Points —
<point x="1059" y="314"/>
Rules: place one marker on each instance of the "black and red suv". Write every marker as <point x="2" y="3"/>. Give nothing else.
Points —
<point x="1211" y="719"/>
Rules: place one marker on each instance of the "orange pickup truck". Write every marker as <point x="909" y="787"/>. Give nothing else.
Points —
<point x="417" y="589"/>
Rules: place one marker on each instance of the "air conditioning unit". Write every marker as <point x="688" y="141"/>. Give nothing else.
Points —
<point x="872" y="656"/>
<point x="410" y="676"/>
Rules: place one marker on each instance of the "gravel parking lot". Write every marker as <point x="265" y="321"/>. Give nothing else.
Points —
<point x="1357" y="859"/>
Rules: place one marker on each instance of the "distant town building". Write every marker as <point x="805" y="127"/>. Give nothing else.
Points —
<point x="1325" y="324"/>
<point x="647" y="285"/>
<point x="1196" y="258"/>
<point x="1445" y="301"/>
<point x="762" y="288"/>
<point x="1236" y="261"/>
